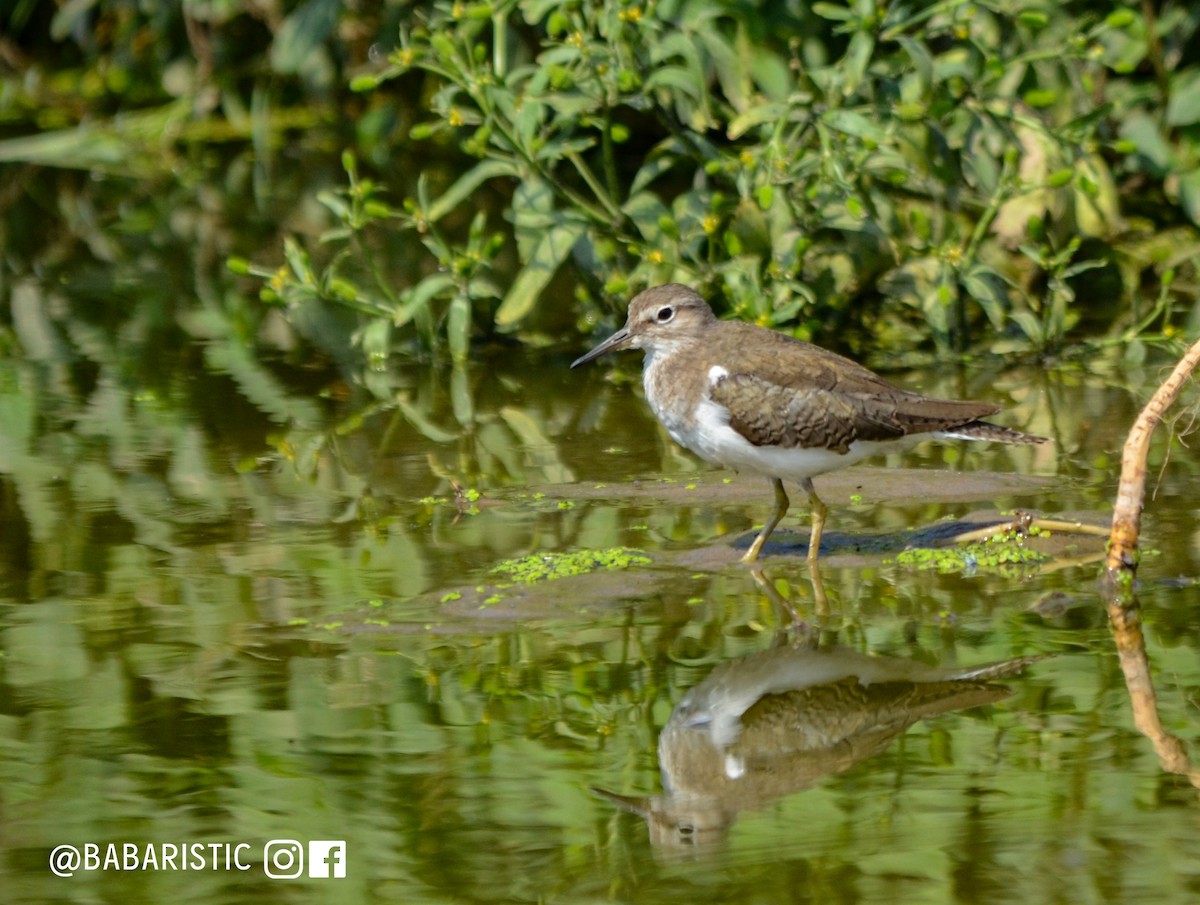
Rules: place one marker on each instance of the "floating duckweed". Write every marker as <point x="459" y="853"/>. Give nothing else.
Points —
<point x="999" y="552"/>
<point x="566" y="504"/>
<point x="451" y="595"/>
<point x="546" y="566"/>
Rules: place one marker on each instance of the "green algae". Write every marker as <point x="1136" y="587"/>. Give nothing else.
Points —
<point x="548" y="566"/>
<point x="1001" y="552"/>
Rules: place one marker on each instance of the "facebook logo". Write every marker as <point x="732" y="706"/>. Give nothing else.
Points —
<point x="327" y="858"/>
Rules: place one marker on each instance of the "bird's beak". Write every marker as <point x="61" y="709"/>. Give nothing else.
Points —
<point x="640" y="805"/>
<point x="619" y="340"/>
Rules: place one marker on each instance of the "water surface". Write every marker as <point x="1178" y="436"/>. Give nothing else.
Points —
<point x="238" y="619"/>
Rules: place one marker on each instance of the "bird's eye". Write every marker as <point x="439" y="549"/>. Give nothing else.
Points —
<point x="664" y="314"/>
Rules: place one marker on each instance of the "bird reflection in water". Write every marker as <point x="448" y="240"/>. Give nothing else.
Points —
<point x="779" y="721"/>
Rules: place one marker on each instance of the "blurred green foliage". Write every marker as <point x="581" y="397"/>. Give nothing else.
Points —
<point x="978" y="174"/>
<point x="942" y="177"/>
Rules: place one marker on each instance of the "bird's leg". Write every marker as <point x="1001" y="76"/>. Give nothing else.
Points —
<point x="818" y="521"/>
<point x="783" y="605"/>
<point x="781" y="507"/>
<point x="820" y="601"/>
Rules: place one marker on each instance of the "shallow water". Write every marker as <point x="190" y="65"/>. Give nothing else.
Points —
<point x="237" y="611"/>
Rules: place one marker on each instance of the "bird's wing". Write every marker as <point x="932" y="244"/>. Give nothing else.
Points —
<point x="768" y="414"/>
<point x="817" y="398"/>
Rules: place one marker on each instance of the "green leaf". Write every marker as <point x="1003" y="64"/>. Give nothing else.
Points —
<point x="416" y="298"/>
<point x="733" y="76"/>
<point x="1059" y="178"/>
<point x="299" y="262"/>
<point x="1189" y="193"/>
<point x="858" y="58"/>
<point x="1183" y="106"/>
<point x="852" y="122"/>
<point x="762" y="113"/>
<point x="832" y="11"/>
<point x="536" y="10"/>
<point x="1120" y="18"/>
<point x="302" y="33"/>
<point x="458" y="327"/>
<point x="772" y="75"/>
<point x="465" y="185"/>
<point x="751" y="228"/>
<point x="920" y="57"/>
<point x="568" y="106"/>
<point x="675" y="44"/>
<point x="1034" y="19"/>
<point x="550" y="252"/>
<point x="1089" y="122"/>
<point x="646" y="211"/>
<point x="1030" y="325"/>
<point x="532" y="213"/>
<point x="677" y="78"/>
<point x="426" y="427"/>
<point x="989" y="288"/>
<point x="660" y="159"/>
<point x="557" y="150"/>
<point x="68" y="16"/>
<point x="1143" y="131"/>
<point x="1041" y="98"/>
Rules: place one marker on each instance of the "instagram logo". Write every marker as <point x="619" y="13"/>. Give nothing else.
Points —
<point x="283" y="859"/>
<point x="326" y="858"/>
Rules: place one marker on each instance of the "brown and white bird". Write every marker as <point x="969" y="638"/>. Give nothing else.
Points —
<point x="757" y="400"/>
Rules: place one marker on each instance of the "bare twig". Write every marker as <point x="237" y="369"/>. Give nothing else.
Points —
<point x="1131" y="492"/>
<point x="1124" y="615"/>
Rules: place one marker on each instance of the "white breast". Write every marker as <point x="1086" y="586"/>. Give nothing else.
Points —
<point x="705" y="431"/>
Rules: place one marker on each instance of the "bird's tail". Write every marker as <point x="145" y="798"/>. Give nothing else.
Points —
<point x="984" y="430"/>
<point x="1001" y="670"/>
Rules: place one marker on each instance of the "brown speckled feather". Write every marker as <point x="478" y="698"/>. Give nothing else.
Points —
<point x="817" y="398"/>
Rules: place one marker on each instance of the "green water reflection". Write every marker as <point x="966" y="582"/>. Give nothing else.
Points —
<point x="247" y="632"/>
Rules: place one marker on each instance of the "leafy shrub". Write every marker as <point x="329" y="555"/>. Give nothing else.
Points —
<point x="944" y="171"/>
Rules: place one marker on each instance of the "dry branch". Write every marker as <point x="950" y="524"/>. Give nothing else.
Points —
<point x="1131" y="492"/>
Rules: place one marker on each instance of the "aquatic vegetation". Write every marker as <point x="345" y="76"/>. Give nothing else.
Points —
<point x="1005" y="551"/>
<point x="548" y="566"/>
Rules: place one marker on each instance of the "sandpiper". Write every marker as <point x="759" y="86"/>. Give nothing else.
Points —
<point x="756" y="400"/>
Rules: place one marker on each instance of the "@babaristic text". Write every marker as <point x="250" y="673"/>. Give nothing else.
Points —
<point x="279" y="859"/>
